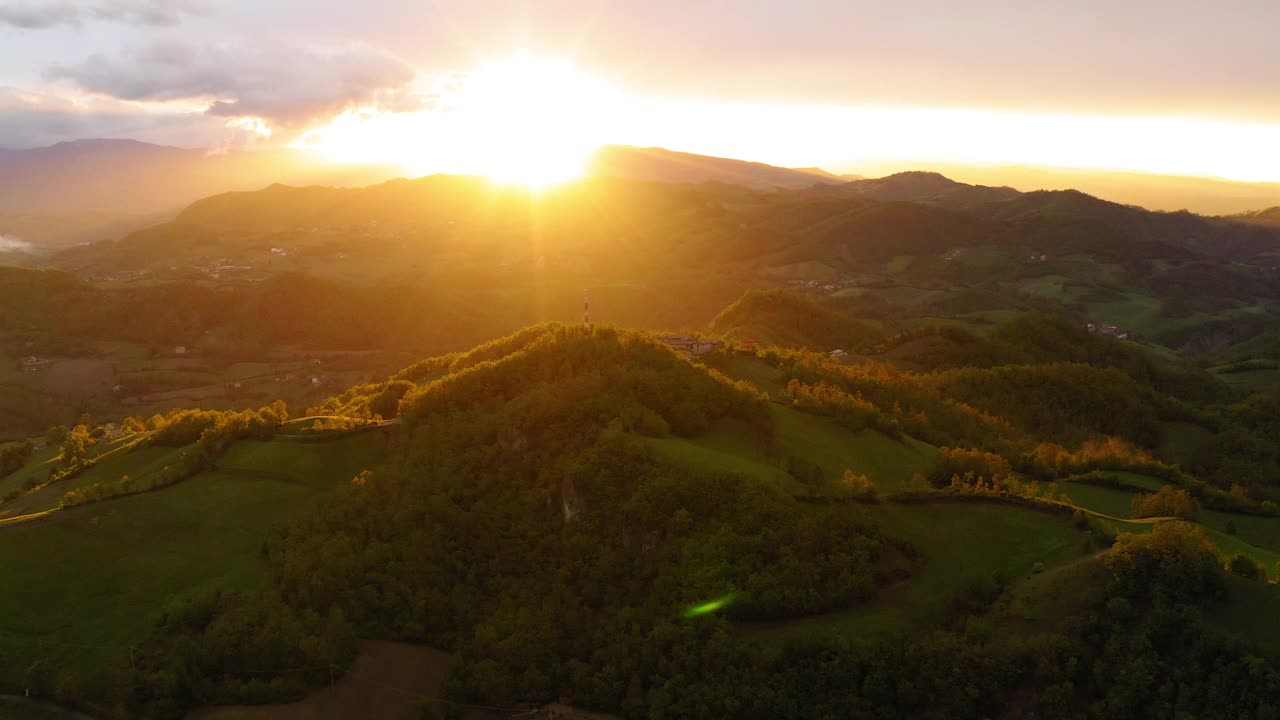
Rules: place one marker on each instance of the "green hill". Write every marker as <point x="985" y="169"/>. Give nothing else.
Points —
<point x="588" y="513"/>
<point x="784" y="319"/>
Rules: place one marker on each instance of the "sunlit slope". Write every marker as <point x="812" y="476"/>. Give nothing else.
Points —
<point x="789" y="320"/>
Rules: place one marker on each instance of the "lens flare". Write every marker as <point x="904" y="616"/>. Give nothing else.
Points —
<point x="709" y="607"/>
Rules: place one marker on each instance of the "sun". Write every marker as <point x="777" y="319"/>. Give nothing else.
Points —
<point x="523" y="119"/>
<point x="535" y="120"/>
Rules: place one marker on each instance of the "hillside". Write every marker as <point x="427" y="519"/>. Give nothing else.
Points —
<point x="787" y="320"/>
<point x="1169" y="193"/>
<point x="440" y="263"/>
<point x="1269" y="217"/>
<point x="658" y="164"/>
<point x="927" y="187"/>
<point x="559" y="501"/>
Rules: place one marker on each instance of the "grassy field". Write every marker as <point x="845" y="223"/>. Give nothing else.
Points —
<point x="1144" y="482"/>
<point x="1053" y="287"/>
<point x="37" y="468"/>
<point x="1251" y="380"/>
<point x="1240" y="614"/>
<point x="709" y="453"/>
<point x="758" y="373"/>
<point x="68" y="604"/>
<point x="889" y="463"/>
<point x="1135" y="312"/>
<point x="1254" y="536"/>
<point x="961" y="542"/>
<point x="306" y="462"/>
<point x="1042" y="602"/>
<point x="1107" y="501"/>
<point x="139" y="463"/>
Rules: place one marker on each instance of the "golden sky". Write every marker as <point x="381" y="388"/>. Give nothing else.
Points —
<point x="520" y="88"/>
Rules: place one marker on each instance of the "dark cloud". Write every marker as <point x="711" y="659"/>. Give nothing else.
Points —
<point x="286" y="86"/>
<point x="41" y="14"/>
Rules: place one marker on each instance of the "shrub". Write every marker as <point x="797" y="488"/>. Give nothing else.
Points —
<point x="954" y="462"/>
<point x="1176" y="560"/>
<point x="1245" y="567"/>
<point x="859" y="487"/>
<point x="1166" y="502"/>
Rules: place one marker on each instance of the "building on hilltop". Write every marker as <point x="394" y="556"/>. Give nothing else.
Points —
<point x="691" y="346"/>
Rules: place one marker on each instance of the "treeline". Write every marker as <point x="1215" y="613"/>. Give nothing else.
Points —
<point x="230" y="648"/>
<point x="1034" y="339"/>
<point x="1030" y="414"/>
<point x="900" y="396"/>
<point x="208" y="433"/>
<point x="14" y="457"/>
<point x="1063" y="402"/>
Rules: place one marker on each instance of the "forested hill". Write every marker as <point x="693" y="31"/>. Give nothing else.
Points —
<point x="589" y="514"/>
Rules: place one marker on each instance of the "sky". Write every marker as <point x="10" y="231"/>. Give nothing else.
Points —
<point x="1168" y="86"/>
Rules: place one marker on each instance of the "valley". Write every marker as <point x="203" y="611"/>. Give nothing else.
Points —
<point x="924" y="414"/>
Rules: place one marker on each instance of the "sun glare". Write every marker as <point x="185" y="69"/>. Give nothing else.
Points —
<point x="526" y="119"/>
<point x="539" y="119"/>
<point x="536" y="120"/>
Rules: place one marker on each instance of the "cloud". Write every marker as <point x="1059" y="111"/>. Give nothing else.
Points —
<point x="29" y="119"/>
<point x="43" y="14"/>
<point x="286" y="86"/>
<point x="10" y="244"/>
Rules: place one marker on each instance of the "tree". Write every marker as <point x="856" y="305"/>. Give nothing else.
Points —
<point x="1245" y="567"/>
<point x="387" y="402"/>
<point x="859" y="487"/>
<point x="13" y="457"/>
<point x="76" y="445"/>
<point x="1166" y="502"/>
<point x="56" y="434"/>
<point x="1175" y="559"/>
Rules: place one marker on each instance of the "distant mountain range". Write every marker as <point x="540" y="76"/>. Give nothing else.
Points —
<point x="1203" y="195"/>
<point x="126" y="176"/>
<point x="88" y="190"/>
<point x="130" y="177"/>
